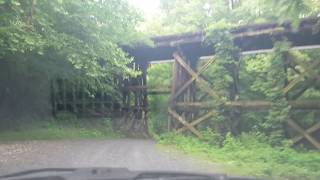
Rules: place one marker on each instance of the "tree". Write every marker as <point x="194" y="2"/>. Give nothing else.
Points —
<point x="83" y="35"/>
<point x="194" y="15"/>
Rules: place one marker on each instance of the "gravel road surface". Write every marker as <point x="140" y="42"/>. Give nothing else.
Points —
<point x="133" y="154"/>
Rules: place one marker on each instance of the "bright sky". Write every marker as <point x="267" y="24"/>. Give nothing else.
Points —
<point x="149" y="7"/>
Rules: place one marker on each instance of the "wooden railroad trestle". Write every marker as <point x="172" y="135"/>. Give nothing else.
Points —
<point x="193" y="100"/>
<point x="187" y="111"/>
<point x="135" y="101"/>
<point x="184" y="107"/>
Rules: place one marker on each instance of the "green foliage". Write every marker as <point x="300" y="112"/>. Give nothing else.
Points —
<point x="192" y="15"/>
<point x="212" y="138"/>
<point x="83" y="36"/>
<point x="159" y="77"/>
<point x="66" y="126"/>
<point x="249" y="155"/>
<point x="159" y="73"/>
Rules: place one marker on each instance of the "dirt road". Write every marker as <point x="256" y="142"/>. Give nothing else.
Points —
<point x="130" y="153"/>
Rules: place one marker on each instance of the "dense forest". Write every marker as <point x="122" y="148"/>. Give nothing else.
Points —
<point x="45" y="40"/>
<point x="81" y="41"/>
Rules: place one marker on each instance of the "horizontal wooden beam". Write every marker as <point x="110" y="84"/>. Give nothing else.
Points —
<point x="248" y="39"/>
<point x="299" y="104"/>
<point x="150" y="90"/>
<point x="158" y="91"/>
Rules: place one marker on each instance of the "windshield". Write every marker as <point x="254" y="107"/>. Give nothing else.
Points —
<point x="219" y="87"/>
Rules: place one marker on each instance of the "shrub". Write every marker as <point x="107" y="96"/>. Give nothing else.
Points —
<point x="251" y="155"/>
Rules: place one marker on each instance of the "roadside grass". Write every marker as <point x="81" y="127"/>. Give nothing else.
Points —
<point x="56" y="129"/>
<point x="249" y="155"/>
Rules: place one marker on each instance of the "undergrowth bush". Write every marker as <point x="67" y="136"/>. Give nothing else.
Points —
<point x="249" y="154"/>
<point x="63" y="127"/>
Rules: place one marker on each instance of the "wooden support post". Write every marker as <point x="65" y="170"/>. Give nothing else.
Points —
<point x="173" y="91"/>
<point x="254" y="105"/>
<point x="83" y="100"/>
<point x="74" y="98"/>
<point x="102" y="105"/>
<point x="145" y="104"/>
<point x="183" y="91"/>
<point x="199" y="79"/>
<point x="234" y="113"/>
<point x="64" y="96"/>
<point x="53" y="96"/>
<point x="193" y="78"/>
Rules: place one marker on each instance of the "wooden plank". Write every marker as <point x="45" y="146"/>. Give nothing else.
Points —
<point x="74" y="99"/>
<point x="207" y="88"/>
<point x="312" y="129"/>
<point x="199" y="120"/>
<point x="193" y="77"/>
<point x="202" y="82"/>
<point x="304" y="133"/>
<point x="173" y="90"/>
<point x="185" y="123"/>
<point x="298" y="104"/>
<point x="83" y="100"/>
<point x="64" y="96"/>
<point x="174" y="81"/>
<point x="54" y="96"/>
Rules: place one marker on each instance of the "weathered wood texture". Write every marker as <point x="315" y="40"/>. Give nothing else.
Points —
<point x="248" y="38"/>
<point x="184" y="110"/>
<point x="135" y="103"/>
<point x="183" y="91"/>
<point x="69" y="96"/>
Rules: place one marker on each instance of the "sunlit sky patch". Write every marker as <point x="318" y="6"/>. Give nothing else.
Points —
<point x="149" y="7"/>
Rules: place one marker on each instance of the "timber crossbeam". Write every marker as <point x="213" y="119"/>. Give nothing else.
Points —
<point x="258" y="105"/>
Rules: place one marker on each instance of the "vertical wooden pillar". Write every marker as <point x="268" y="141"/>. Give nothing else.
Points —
<point x="173" y="91"/>
<point x="187" y="95"/>
<point x="64" y="95"/>
<point x="144" y="98"/>
<point x="53" y="97"/>
<point x="135" y="115"/>
<point x="235" y="113"/>
<point x="74" y="98"/>
<point x="83" y="100"/>
<point x="102" y="105"/>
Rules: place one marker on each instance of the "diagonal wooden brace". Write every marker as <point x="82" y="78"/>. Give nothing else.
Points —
<point x="304" y="133"/>
<point x="185" y="123"/>
<point x="309" y="131"/>
<point x="193" y="78"/>
<point x="199" y="120"/>
<point x="193" y="74"/>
